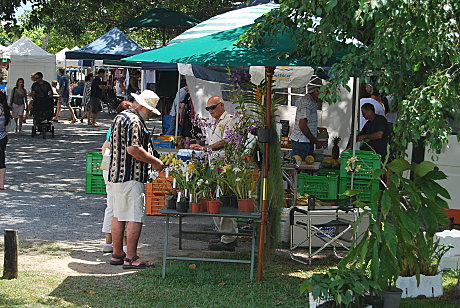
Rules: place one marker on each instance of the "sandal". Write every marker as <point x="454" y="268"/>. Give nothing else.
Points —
<point x="121" y="257"/>
<point x="142" y="265"/>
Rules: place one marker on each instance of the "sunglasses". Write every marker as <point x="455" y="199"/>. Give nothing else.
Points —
<point x="212" y="107"/>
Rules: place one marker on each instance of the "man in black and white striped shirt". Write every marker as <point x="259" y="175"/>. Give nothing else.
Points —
<point x="128" y="173"/>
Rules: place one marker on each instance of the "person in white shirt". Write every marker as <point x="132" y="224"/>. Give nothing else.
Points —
<point x="215" y="140"/>
<point x="306" y="121"/>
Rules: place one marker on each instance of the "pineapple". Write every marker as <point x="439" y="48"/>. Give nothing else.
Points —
<point x="335" y="147"/>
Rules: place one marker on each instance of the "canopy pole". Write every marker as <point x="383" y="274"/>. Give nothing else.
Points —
<point x="177" y="109"/>
<point x="355" y="125"/>
<point x="269" y="75"/>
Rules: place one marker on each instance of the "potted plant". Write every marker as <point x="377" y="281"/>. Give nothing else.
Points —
<point x="411" y="210"/>
<point x="341" y="287"/>
<point x="430" y="284"/>
<point x="242" y="181"/>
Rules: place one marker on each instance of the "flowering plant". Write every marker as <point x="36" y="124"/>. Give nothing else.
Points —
<point x="241" y="181"/>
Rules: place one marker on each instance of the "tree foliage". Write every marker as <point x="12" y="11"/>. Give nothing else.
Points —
<point x="412" y="46"/>
<point x="72" y="23"/>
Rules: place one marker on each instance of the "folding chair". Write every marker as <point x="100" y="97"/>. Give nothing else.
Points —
<point x="341" y="227"/>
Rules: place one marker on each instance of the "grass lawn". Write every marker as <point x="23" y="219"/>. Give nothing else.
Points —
<point x="207" y="285"/>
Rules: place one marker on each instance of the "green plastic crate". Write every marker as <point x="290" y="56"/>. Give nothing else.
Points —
<point x="95" y="184"/>
<point x="329" y="172"/>
<point x="93" y="163"/>
<point x="368" y="161"/>
<point x="368" y="190"/>
<point x="320" y="186"/>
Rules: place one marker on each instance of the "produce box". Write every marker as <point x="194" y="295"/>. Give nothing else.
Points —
<point x="320" y="186"/>
<point x="95" y="184"/>
<point x="368" y="188"/>
<point x="154" y="203"/>
<point x="93" y="163"/>
<point x="368" y="162"/>
<point x="160" y="186"/>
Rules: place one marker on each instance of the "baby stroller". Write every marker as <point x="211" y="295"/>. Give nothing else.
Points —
<point x="42" y="111"/>
<point x="111" y="99"/>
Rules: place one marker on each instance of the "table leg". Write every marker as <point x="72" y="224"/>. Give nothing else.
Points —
<point x="165" y="252"/>
<point x="180" y="232"/>
<point x="253" y="248"/>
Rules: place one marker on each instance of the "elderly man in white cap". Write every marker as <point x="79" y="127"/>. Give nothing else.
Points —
<point x="128" y="171"/>
<point x="306" y="121"/>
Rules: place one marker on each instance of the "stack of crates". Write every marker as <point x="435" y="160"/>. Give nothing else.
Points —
<point x="163" y="142"/>
<point x="155" y="194"/>
<point x="362" y="179"/>
<point x="319" y="186"/>
<point x="94" y="181"/>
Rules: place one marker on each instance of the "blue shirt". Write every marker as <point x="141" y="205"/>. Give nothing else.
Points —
<point x="78" y="90"/>
<point x="64" y="82"/>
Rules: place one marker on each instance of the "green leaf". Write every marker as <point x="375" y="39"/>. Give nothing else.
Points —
<point x="304" y="286"/>
<point x="436" y="175"/>
<point x="316" y="292"/>
<point x="391" y="241"/>
<point x="351" y="192"/>
<point x="429" y="219"/>
<point x="399" y="165"/>
<point x="423" y="168"/>
<point x="378" y="173"/>
<point x="386" y="203"/>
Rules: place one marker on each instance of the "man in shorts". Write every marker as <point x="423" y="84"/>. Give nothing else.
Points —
<point x="128" y="171"/>
<point x="64" y="96"/>
<point x="97" y="87"/>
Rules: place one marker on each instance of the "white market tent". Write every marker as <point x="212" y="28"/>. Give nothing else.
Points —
<point x="61" y="59"/>
<point x="26" y="59"/>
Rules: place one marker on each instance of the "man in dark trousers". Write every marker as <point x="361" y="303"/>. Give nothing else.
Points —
<point x="97" y="87"/>
<point x="375" y="132"/>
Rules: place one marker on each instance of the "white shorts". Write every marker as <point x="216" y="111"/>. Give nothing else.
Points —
<point x="128" y="201"/>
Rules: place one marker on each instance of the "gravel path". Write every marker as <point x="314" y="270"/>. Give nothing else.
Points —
<point x="45" y="197"/>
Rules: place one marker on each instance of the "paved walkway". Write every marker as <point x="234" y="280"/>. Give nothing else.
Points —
<point x="45" y="199"/>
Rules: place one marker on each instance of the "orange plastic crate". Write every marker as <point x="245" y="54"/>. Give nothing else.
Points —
<point x="161" y="185"/>
<point x="153" y="204"/>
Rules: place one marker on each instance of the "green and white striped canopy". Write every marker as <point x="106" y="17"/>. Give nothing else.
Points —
<point x="229" y="20"/>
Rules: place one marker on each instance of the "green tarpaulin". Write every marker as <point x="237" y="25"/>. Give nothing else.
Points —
<point x="161" y="17"/>
<point x="218" y="49"/>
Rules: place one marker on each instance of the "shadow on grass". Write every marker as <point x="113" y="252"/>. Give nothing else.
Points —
<point x="207" y="285"/>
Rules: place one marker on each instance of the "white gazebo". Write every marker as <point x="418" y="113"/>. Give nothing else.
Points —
<point x="26" y="59"/>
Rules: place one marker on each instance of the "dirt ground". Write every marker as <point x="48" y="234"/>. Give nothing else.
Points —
<point x="59" y="225"/>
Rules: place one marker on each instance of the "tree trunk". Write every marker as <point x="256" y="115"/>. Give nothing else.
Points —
<point x="10" y="265"/>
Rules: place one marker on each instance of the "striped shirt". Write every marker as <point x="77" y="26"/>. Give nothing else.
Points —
<point x="128" y="129"/>
<point x="306" y="109"/>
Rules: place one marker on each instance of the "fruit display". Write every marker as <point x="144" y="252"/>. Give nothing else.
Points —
<point x="330" y="163"/>
<point x="335" y="147"/>
<point x="302" y="199"/>
<point x="170" y="159"/>
<point x="309" y="160"/>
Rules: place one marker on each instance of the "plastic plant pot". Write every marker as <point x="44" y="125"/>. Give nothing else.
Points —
<point x="246" y="205"/>
<point x="204" y="204"/>
<point x="182" y="206"/>
<point x="213" y="206"/>
<point x="171" y="203"/>
<point x="229" y="201"/>
<point x="196" y="207"/>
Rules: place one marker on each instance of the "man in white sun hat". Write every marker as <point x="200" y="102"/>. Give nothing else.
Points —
<point x="128" y="171"/>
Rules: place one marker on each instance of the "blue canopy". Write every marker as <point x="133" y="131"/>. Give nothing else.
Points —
<point x="113" y="45"/>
